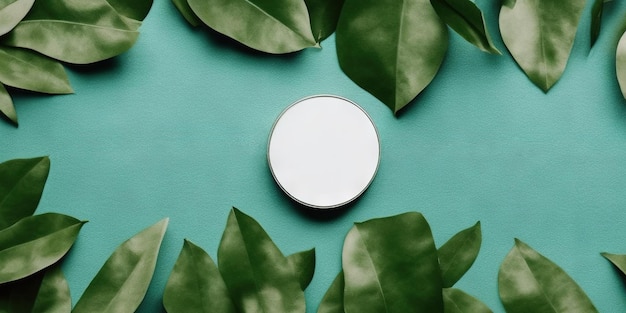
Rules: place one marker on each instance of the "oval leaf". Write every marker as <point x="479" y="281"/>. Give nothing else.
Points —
<point x="457" y="301"/>
<point x="333" y="299"/>
<point x="7" y="109"/>
<point x="74" y="31"/>
<point x="34" y="243"/>
<point x="540" y="36"/>
<point x="123" y="280"/>
<point x="21" y="185"/>
<point x="596" y="20"/>
<point x="30" y="70"/>
<point x="54" y="293"/>
<point x="529" y="282"/>
<point x="618" y="260"/>
<point x="258" y="276"/>
<point x="458" y="254"/>
<point x="135" y="9"/>
<point x="391" y="48"/>
<point x="620" y="64"/>
<point x="196" y="284"/>
<point x="186" y="11"/>
<point x="279" y="26"/>
<point x="12" y="12"/>
<point x="391" y="265"/>
<point x="303" y="264"/>
<point x="467" y="20"/>
<point x="324" y="16"/>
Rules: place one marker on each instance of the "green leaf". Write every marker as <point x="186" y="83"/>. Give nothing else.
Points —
<point x="596" y="20"/>
<point x="529" y="282"/>
<point x="391" y="48"/>
<point x="467" y="20"/>
<point x="333" y="299"/>
<point x="123" y="280"/>
<point x="34" y="243"/>
<point x="186" y="11"/>
<point x="258" y="276"/>
<point x="21" y="185"/>
<point x="74" y="31"/>
<point x="30" y="70"/>
<point x="7" y="109"/>
<point x="458" y="254"/>
<point x="134" y="9"/>
<point x="457" y="301"/>
<point x="43" y="292"/>
<point x="278" y="26"/>
<point x="391" y="265"/>
<point x="196" y="284"/>
<point x="540" y="36"/>
<point x="12" y="12"/>
<point x="303" y="264"/>
<point x="620" y="64"/>
<point x="618" y="260"/>
<point x="324" y="16"/>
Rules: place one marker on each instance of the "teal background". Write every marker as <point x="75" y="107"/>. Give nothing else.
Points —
<point x="177" y="127"/>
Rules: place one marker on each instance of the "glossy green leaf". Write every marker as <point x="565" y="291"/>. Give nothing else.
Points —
<point x="391" y="265"/>
<point x="12" y="12"/>
<point x="123" y="280"/>
<point x="324" y="15"/>
<point x="596" y="20"/>
<point x="303" y="264"/>
<point x="529" y="282"/>
<point x="21" y="185"/>
<point x="333" y="299"/>
<point x="467" y="20"/>
<point x="457" y="301"/>
<point x="540" y="36"/>
<point x="43" y="292"/>
<point x="135" y="9"/>
<point x="7" y="108"/>
<point x="196" y="284"/>
<point x="74" y="31"/>
<point x="618" y="260"/>
<point x="258" y="276"/>
<point x="278" y="26"/>
<point x="391" y="48"/>
<point x="620" y="64"/>
<point x="186" y="11"/>
<point x="30" y="70"/>
<point x="458" y="254"/>
<point x="34" y="243"/>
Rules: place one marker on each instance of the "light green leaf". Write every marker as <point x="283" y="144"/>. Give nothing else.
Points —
<point x="540" y="36"/>
<point x="196" y="284"/>
<point x="333" y="299"/>
<point x="467" y="20"/>
<point x="278" y="26"/>
<point x="596" y="20"/>
<point x="30" y="70"/>
<point x="391" y="265"/>
<point x="458" y="254"/>
<point x="324" y="15"/>
<point x="74" y="31"/>
<point x="529" y="282"/>
<point x="43" y="292"/>
<point x="620" y="64"/>
<point x="303" y="264"/>
<point x="258" y="276"/>
<point x="12" y="12"/>
<point x="123" y="280"/>
<point x="186" y="11"/>
<point x="618" y="260"/>
<point x="457" y="301"/>
<point x="21" y="185"/>
<point x="134" y="9"/>
<point x="34" y="243"/>
<point x="7" y="109"/>
<point x="391" y="48"/>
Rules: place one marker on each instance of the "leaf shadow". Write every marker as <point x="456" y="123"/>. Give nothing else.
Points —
<point x="620" y="274"/>
<point x="97" y="68"/>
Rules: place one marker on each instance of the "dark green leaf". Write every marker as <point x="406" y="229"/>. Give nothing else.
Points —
<point x="540" y="36"/>
<point x="135" y="9"/>
<point x="618" y="260"/>
<point x="457" y="301"/>
<point x="324" y="15"/>
<point x="529" y="282"/>
<point x="467" y="20"/>
<point x="7" y="109"/>
<point x="303" y="264"/>
<point x="74" y="31"/>
<point x="30" y="70"/>
<point x="54" y="293"/>
<point x="278" y="26"/>
<point x="123" y="280"/>
<point x="333" y="299"/>
<point x="195" y="284"/>
<point x="34" y="243"/>
<point x="186" y="11"/>
<point x="458" y="254"/>
<point x="258" y="276"/>
<point x="596" y="20"/>
<point x="391" y="48"/>
<point x="12" y="12"/>
<point x="620" y="64"/>
<point x="391" y="265"/>
<point x="21" y="185"/>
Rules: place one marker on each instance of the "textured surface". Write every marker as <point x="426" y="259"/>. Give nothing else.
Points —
<point x="178" y="126"/>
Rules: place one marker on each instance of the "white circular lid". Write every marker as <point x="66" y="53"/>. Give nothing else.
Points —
<point x="324" y="151"/>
